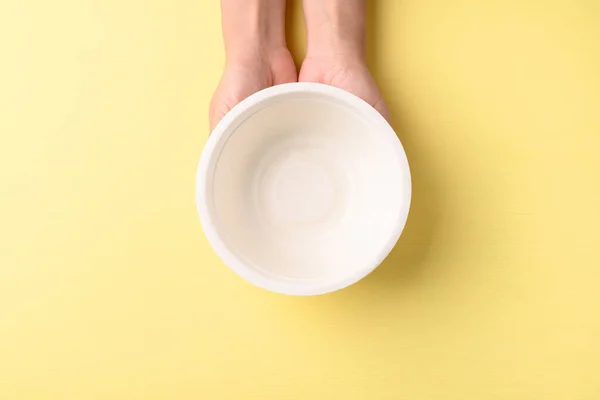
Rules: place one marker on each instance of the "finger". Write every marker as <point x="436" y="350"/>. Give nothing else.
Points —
<point x="216" y="112"/>
<point x="383" y="109"/>
<point x="213" y="120"/>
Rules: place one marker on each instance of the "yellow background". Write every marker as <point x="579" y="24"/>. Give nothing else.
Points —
<point x="109" y="290"/>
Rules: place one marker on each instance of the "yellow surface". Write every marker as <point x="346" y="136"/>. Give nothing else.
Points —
<point x="109" y="290"/>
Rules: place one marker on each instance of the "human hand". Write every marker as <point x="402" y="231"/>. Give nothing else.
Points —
<point x="247" y="75"/>
<point x="348" y="73"/>
<point x="257" y="56"/>
<point x="336" y="49"/>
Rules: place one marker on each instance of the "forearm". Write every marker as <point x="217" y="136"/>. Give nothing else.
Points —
<point x="335" y="26"/>
<point x="252" y="25"/>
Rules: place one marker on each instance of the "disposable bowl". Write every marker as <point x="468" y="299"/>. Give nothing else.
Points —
<point x="303" y="189"/>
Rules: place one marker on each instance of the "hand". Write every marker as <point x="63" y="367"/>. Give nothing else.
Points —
<point x="257" y="55"/>
<point x="350" y="74"/>
<point x="336" y="49"/>
<point x="248" y="74"/>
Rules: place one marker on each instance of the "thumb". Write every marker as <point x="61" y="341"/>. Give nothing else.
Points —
<point x="216" y="111"/>
<point x="383" y="109"/>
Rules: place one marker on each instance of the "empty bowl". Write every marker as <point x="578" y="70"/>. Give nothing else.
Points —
<point x="303" y="189"/>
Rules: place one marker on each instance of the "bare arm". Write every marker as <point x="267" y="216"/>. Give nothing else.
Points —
<point x="335" y="54"/>
<point x="256" y="52"/>
<point x="252" y="25"/>
<point x="335" y="27"/>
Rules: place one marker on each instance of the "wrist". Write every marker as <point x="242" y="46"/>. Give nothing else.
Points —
<point x="335" y="28"/>
<point x="252" y="27"/>
<point x="327" y="44"/>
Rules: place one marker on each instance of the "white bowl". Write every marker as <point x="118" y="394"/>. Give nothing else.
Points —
<point x="303" y="189"/>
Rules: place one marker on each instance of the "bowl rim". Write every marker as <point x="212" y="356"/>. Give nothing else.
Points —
<point x="222" y="132"/>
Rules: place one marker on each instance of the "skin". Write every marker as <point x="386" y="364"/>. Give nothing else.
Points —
<point x="335" y="54"/>
<point x="256" y="53"/>
<point x="257" y="56"/>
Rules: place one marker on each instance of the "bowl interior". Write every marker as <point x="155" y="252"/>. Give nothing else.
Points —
<point x="308" y="187"/>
